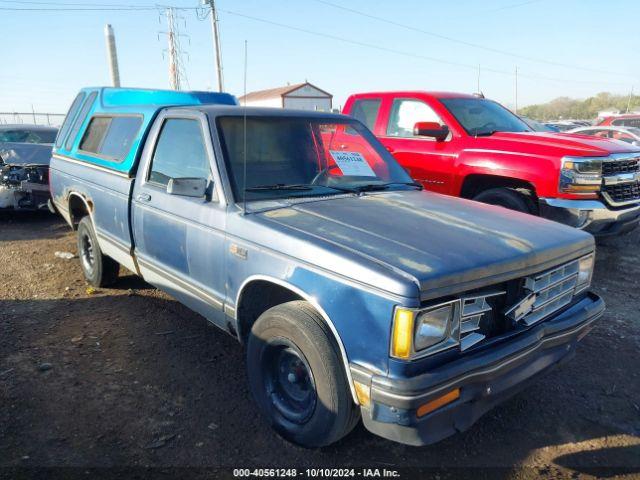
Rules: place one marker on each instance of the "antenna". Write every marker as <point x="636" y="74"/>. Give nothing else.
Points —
<point x="244" y="136"/>
<point x="516" y="110"/>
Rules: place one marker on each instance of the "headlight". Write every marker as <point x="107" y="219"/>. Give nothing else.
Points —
<point x="432" y="326"/>
<point x="580" y="175"/>
<point x="585" y="271"/>
<point x="418" y="332"/>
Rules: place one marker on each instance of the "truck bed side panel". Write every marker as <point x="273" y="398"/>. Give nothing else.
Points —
<point x="106" y="195"/>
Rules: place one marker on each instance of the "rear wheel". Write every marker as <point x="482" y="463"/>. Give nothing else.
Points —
<point x="297" y="377"/>
<point x="98" y="269"/>
<point x="511" y="198"/>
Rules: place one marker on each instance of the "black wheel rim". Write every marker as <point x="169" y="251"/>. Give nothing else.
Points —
<point x="289" y="382"/>
<point x="87" y="253"/>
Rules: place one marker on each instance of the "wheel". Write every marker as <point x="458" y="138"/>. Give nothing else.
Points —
<point x="513" y="199"/>
<point x="297" y="378"/>
<point x="98" y="269"/>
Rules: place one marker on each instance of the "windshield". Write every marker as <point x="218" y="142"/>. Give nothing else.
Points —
<point x="537" y="126"/>
<point x="23" y="135"/>
<point x="479" y="116"/>
<point x="301" y="157"/>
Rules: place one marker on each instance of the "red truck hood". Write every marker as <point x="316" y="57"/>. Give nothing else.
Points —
<point x="552" y="144"/>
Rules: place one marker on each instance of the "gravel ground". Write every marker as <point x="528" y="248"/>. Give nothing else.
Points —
<point x="127" y="376"/>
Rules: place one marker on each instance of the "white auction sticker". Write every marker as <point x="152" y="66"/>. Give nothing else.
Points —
<point x="352" y="164"/>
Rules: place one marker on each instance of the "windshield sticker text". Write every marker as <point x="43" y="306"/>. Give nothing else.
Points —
<point x="352" y="164"/>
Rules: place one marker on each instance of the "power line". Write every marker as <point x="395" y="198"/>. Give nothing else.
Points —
<point x="506" y="7"/>
<point x="84" y="4"/>
<point x="465" y="43"/>
<point x="414" y="55"/>
<point x="129" y="7"/>
<point x="72" y="7"/>
<point x="79" y="9"/>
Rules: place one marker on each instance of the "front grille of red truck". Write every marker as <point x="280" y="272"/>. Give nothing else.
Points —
<point x="620" y="166"/>
<point x="622" y="193"/>
<point x="621" y="181"/>
<point x="519" y="303"/>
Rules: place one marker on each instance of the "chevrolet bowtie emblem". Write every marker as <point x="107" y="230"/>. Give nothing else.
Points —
<point x="522" y="308"/>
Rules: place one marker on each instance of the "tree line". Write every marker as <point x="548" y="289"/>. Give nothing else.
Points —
<point x="565" y="107"/>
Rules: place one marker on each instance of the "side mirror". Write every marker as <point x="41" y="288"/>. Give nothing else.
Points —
<point x="431" y="129"/>
<point x="187" y="187"/>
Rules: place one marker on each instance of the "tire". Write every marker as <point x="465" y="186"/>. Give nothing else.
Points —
<point x="98" y="269"/>
<point x="511" y="198"/>
<point x="290" y="353"/>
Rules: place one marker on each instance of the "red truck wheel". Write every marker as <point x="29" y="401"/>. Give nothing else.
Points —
<point x="507" y="198"/>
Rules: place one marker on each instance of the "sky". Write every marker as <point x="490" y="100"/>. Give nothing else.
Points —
<point x="573" y="48"/>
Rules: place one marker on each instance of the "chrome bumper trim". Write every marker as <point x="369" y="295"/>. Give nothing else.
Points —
<point x="590" y="215"/>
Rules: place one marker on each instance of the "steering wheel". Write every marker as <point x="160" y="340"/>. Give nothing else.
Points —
<point x="323" y="174"/>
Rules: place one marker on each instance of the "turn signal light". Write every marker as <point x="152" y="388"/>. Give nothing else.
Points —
<point x="438" y="402"/>
<point x="402" y="339"/>
<point x="363" y="392"/>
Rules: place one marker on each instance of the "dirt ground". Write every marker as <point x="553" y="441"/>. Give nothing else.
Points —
<point x="126" y="376"/>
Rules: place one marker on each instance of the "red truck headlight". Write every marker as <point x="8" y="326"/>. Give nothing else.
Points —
<point x="581" y="175"/>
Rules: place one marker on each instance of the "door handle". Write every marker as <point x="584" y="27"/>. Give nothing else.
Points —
<point x="143" y="197"/>
<point x="389" y="149"/>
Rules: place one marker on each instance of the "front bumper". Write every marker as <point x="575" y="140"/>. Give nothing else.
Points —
<point x="485" y="379"/>
<point x="26" y="196"/>
<point x="592" y="216"/>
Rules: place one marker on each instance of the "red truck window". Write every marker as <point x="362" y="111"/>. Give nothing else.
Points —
<point x="366" y="110"/>
<point x="405" y="113"/>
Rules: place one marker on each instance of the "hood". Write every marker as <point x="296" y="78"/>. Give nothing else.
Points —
<point x="443" y="244"/>
<point x="553" y="144"/>
<point x="12" y="153"/>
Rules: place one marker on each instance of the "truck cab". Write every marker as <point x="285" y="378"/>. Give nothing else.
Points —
<point x="472" y="147"/>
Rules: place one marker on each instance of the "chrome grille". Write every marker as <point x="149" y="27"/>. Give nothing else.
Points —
<point x="622" y="192"/>
<point x="620" y="166"/>
<point x="473" y="310"/>
<point x="621" y="180"/>
<point x="547" y="292"/>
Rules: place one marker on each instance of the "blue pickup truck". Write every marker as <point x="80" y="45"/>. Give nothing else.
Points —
<point x="355" y="293"/>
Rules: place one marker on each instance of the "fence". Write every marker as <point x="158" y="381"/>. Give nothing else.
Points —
<point x="51" y="119"/>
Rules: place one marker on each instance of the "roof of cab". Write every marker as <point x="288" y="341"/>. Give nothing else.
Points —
<point x="145" y="103"/>
<point x="225" y="110"/>
<point x="407" y="93"/>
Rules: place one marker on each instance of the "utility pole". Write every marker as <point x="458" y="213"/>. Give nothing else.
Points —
<point x="216" y="43"/>
<point x="112" y="55"/>
<point x="629" y="101"/>
<point x="516" y="111"/>
<point x="174" y="73"/>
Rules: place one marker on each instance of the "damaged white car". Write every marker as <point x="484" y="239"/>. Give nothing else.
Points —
<point x="25" y="153"/>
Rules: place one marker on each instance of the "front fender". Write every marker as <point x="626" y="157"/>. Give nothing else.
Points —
<point x="541" y="171"/>
<point x="359" y="317"/>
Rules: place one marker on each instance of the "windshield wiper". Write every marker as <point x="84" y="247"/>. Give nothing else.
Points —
<point x="370" y="187"/>
<point x="296" y="187"/>
<point x="278" y="186"/>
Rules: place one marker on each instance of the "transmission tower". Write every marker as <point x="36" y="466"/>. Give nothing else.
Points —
<point x="177" y="75"/>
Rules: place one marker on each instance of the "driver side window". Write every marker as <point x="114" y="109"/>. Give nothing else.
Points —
<point x="405" y="113"/>
<point x="180" y="152"/>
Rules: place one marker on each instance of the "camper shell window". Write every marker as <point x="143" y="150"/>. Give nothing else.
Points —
<point x="111" y="137"/>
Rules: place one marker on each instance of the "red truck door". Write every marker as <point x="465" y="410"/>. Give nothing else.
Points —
<point x="428" y="161"/>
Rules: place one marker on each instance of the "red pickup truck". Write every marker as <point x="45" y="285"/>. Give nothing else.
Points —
<point x="472" y="147"/>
